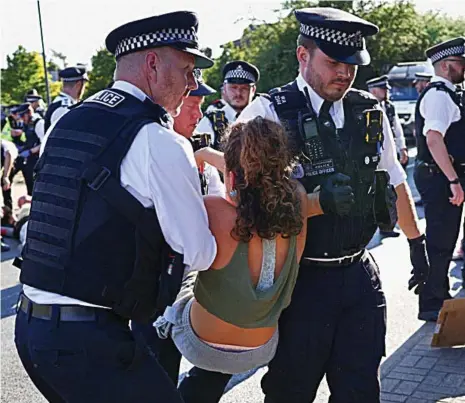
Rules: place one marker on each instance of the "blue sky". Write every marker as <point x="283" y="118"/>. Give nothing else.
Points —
<point x="78" y="28"/>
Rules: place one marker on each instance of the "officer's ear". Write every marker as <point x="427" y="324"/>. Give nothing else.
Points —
<point x="302" y="54"/>
<point x="151" y="63"/>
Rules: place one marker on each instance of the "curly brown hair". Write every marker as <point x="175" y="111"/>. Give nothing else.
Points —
<point x="268" y="203"/>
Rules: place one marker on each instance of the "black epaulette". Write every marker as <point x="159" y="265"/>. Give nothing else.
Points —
<point x="360" y="97"/>
<point x="262" y="94"/>
<point x="75" y="105"/>
<point x="219" y="103"/>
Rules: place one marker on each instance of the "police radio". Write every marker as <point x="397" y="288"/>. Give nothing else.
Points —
<point x="313" y="145"/>
<point x="201" y="140"/>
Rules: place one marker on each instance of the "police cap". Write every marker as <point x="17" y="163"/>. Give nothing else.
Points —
<point x="452" y="47"/>
<point x="71" y="74"/>
<point x="202" y="88"/>
<point x="32" y="96"/>
<point x="22" y="109"/>
<point x="177" y="30"/>
<point x="338" y="34"/>
<point x="422" y="77"/>
<point x="379" y="82"/>
<point x="240" y="72"/>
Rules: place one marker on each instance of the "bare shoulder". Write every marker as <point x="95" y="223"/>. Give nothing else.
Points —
<point x="221" y="220"/>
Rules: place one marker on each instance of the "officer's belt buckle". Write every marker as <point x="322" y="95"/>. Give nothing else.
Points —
<point x="99" y="179"/>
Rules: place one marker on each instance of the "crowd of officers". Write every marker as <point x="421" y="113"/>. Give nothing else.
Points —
<point x="82" y="274"/>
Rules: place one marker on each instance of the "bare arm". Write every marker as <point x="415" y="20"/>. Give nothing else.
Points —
<point x="313" y="204"/>
<point x="408" y="219"/>
<point x="210" y="156"/>
<point x="7" y="166"/>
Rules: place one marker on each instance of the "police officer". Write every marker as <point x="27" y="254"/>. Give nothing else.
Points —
<point x="335" y="324"/>
<point x="36" y="102"/>
<point x="421" y="81"/>
<point x="74" y="83"/>
<point x="440" y="167"/>
<point x="29" y="151"/>
<point x="185" y="124"/>
<point x="238" y="90"/>
<point x="116" y="216"/>
<point x="379" y="87"/>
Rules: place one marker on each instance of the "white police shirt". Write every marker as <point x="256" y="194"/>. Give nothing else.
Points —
<point x="398" y="131"/>
<point x="205" y="125"/>
<point x="263" y="107"/>
<point x="215" y="186"/>
<point x="438" y="109"/>
<point x="39" y="126"/>
<point x="160" y="171"/>
<point x="66" y="101"/>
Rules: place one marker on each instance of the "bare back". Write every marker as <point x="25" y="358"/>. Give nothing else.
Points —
<point x="222" y="218"/>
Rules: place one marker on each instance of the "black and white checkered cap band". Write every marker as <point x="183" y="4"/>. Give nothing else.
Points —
<point x="452" y="51"/>
<point x="167" y="35"/>
<point x="240" y="73"/>
<point x="349" y="39"/>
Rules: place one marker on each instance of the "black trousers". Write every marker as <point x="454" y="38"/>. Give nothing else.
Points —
<point x="90" y="361"/>
<point x="334" y="326"/>
<point x="442" y="231"/>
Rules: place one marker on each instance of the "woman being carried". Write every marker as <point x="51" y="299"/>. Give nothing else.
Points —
<point x="225" y="318"/>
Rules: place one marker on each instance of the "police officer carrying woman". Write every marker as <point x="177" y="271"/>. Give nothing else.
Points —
<point x="117" y="215"/>
<point x="336" y="323"/>
<point x="440" y="167"/>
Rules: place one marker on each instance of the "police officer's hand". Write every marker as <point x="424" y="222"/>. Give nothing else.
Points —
<point x="420" y="263"/>
<point x="457" y="194"/>
<point x="6" y="183"/>
<point x="403" y="156"/>
<point x="336" y="195"/>
<point x="25" y="153"/>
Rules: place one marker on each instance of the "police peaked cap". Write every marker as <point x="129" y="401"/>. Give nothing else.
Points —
<point x="338" y="34"/>
<point x="240" y="72"/>
<point x="422" y="77"/>
<point x="202" y="88"/>
<point x="379" y="82"/>
<point x="70" y="74"/>
<point x="22" y="109"/>
<point x="32" y="96"/>
<point x="177" y="30"/>
<point x="452" y="47"/>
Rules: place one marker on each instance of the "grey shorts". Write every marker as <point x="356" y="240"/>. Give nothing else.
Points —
<point x="205" y="356"/>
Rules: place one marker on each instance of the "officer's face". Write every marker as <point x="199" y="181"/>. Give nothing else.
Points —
<point x="328" y="77"/>
<point x="379" y="93"/>
<point x="171" y="78"/>
<point x="455" y="69"/>
<point x="420" y="85"/>
<point x="187" y="120"/>
<point x="238" y="95"/>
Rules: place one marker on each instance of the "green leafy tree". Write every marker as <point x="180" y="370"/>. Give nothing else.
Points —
<point x="404" y="35"/>
<point x="101" y="75"/>
<point x="24" y="71"/>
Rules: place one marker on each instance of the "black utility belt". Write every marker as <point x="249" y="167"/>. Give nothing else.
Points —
<point x="64" y="313"/>
<point x="334" y="261"/>
<point x="459" y="167"/>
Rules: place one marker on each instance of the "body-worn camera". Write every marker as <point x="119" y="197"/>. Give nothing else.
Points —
<point x="201" y="140"/>
<point x="373" y="126"/>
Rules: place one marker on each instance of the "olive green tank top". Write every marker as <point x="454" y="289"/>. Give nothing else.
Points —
<point x="230" y="295"/>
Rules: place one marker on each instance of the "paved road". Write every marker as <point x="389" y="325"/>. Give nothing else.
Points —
<point x="413" y="372"/>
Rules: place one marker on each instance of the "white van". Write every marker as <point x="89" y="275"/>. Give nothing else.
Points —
<point x="403" y="93"/>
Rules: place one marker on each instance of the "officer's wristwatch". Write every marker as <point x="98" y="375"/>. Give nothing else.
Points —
<point x="455" y="181"/>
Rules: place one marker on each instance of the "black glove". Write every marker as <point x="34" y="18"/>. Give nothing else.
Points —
<point x="420" y="263"/>
<point x="336" y="195"/>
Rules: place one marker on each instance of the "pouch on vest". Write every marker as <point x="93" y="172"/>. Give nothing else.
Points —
<point x="385" y="197"/>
